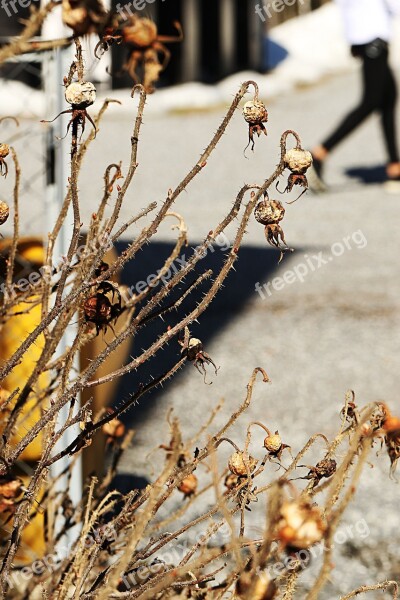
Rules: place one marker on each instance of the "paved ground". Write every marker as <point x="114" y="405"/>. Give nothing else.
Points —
<point x="317" y="338"/>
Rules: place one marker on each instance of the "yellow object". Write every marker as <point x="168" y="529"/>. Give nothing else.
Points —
<point x="13" y="332"/>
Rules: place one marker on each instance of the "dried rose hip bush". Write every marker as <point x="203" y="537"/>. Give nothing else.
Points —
<point x="120" y="540"/>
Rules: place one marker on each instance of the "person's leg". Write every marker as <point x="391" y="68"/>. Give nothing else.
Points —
<point x="374" y="73"/>
<point x="388" y="119"/>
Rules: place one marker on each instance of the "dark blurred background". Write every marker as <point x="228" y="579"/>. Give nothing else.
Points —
<point x="221" y="38"/>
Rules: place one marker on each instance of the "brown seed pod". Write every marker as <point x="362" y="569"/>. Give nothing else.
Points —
<point x="298" y="160"/>
<point x="194" y="347"/>
<point x="4" y="212"/>
<point x="301" y="524"/>
<point x="350" y="412"/>
<point x="264" y="588"/>
<point x="325" y="468"/>
<point x="140" y="32"/>
<point x="188" y="486"/>
<point x="268" y="212"/>
<point x="80" y="94"/>
<point x="83" y="16"/>
<point x="76" y="18"/>
<point x="392" y="424"/>
<point x="240" y="463"/>
<point x="391" y="427"/>
<point x="10" y="487"/>
<point x="4" y="150"/>
<point x="255" y="112"/>
<point x="97" y="309"/>
<point x="114" y="429"/>
<point x="273" y="443"/>
<point x="7" y="505"/>
<point x="231" y="481"/>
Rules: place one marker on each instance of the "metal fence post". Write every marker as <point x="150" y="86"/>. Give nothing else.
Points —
<point x="56" y="65"/>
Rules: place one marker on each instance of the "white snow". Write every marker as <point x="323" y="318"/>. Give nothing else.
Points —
<point x="316" y="49"/>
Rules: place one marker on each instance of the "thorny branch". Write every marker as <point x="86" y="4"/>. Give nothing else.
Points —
<point x="129" y="563"/>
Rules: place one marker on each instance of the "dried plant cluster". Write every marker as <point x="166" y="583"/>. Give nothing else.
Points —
<point x="121" y="539"/>
<point x="147" y="56"/>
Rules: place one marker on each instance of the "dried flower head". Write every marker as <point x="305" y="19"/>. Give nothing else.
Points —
<point x="273" y="443"/>
<point x="192" y="348"/>
<point x="100" y="308"/>
<point x="350" y="412"/>
<point x="80" y="94"/>
<point x="10" y="487"/>
<point x="298" y="160"/>
<point x="97" y="309"/>
<point x="301" y="525"/>
<point x="255" y="114"/>
<point x="4" y="212"/>
<point x="188" y="486"/>
<point x="146" y="49"/>
<point x="379" y="416"/>
<point x="268" y="212"/>
<point x="4" y="150"/>
<point x="241" y="463"/>
<point x="231" y="481"/>
<point x="114" y="429"/>
<point x="7" y="505"/>
<point x="325" y="468"/>
<point x="391" y="426"/>
<point x="139" y="32"/>
<point x="83" y="16"/>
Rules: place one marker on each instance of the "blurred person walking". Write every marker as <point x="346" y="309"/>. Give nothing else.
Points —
<point x="368" y="29"/>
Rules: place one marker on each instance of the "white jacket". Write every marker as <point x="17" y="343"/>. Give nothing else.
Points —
<point x="366" y="20"/>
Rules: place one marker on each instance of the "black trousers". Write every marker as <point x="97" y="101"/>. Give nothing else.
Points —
<point x="379" y="94"/>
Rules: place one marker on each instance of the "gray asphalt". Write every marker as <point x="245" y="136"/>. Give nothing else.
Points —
<point x="336" y="330"/>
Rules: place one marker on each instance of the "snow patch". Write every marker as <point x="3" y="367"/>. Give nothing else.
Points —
<point x="316" y="49"/>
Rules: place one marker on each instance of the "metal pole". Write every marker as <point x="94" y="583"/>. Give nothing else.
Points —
<point x="227" y="28"/>
<point x="191" y="42"/>
<point x="256" y="32"/>
<point x="55" y="66"/>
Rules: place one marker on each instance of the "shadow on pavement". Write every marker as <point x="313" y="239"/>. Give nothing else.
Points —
<point x="255" y="264"/>
<point x="368" y="175"/>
